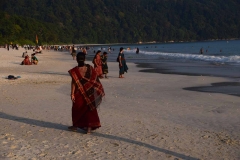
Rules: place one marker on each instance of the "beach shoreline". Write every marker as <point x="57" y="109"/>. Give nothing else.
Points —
<point x="230" y="86"/>
<point x="143" y="116"/>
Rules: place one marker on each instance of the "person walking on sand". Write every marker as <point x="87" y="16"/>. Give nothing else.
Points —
<point x="97" y="61"/>
<point x="73" y="53"/>
<point x="104" y="64"/>
<point x="86" y="95"/>
<point x="122" y="63"/>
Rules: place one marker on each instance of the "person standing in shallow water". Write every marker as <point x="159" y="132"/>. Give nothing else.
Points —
<point x="137" y="50"/>
<point x="201" y="51"/>
<point x="122" y="63"/>
<point x="86" y="95"/>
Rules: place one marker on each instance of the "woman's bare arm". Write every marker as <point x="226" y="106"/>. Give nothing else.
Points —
<point x="73" y="90"/>
<point x="120" y="60"/>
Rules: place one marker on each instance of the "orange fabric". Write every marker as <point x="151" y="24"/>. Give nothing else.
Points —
<point x="26" y="61"/>
<point x="98" y="65"/>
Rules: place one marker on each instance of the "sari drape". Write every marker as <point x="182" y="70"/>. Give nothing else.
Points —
<point x="124" y="67"/>
<point x="26" y="61"/>
<point x="88" y="96"/>
<point x="98" y="65"/>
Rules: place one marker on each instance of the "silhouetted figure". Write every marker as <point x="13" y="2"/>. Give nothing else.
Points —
<point x="201" y="51"/>
<point x="137" y="51"/>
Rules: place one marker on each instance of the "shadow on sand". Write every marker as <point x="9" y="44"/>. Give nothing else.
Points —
<point x="111" y="137"/>
<point x="53" y="73"/>
<point x="229" y="88"/>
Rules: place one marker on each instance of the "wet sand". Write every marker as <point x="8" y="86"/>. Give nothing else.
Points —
<point x="230" y="86"/>
<point x="143" y="116"/>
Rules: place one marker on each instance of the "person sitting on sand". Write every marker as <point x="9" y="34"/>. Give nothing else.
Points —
<point x="86" y="95"/>
<point x="34" y="59"/>
<point x="26" y="61"/>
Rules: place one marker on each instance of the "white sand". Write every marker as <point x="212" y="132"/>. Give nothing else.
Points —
<point x="143" y="116"/>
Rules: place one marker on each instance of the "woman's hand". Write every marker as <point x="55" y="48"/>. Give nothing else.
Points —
<point x="73" y="98"/>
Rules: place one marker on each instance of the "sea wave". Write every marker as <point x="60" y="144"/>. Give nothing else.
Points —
<point x="198" y="57"/>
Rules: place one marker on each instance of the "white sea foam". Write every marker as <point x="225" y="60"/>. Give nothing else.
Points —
<point x="198" y="57"/>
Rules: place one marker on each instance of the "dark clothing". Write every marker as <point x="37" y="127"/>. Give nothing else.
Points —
<point x="137" y="51"/>
<point x="124" y="66"/>
<point x="73" y="52"/>
<point x="104" y="64"/>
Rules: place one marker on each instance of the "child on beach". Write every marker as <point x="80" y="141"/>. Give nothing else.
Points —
<point x="34" y="59"/>
<point x="97" y="61"/>
<point x="104" y="64"/>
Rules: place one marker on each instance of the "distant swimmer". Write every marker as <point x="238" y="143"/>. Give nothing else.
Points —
<point x="137" y="50"/>
<point x="201" y="51"/>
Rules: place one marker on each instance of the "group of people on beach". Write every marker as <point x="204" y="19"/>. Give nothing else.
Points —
<point x="101" y="67"/>
<point x="87" y="91"/>
<point x="73" y="51"/>
<point x="100" y="64"/>
<point x="27" y="60"/>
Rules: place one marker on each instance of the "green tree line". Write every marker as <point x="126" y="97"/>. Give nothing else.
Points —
<point x="120" y="21"/>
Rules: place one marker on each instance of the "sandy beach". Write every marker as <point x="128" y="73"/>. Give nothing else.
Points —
<point x="143" y="116"/>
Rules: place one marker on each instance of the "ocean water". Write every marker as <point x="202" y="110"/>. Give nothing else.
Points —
<point x="222" y="52"/>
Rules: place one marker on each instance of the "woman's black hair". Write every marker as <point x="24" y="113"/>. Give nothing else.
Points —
<point x="121" y="49"/>
<point x="80" y="59"/>
<point x="98" y="52"/>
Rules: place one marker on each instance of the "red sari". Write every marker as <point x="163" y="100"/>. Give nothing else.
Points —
<point x="26" y="61"/>
<point x="98" y="65"/>
<point x="88" y="95"/>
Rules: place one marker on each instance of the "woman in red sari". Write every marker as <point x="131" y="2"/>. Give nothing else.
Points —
<point x="26" y="61"/>
<point x="97" y="61"/>
<point x="86" y="94"/>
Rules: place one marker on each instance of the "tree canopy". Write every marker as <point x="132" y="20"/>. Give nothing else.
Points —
<point x="121" y="21"/>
